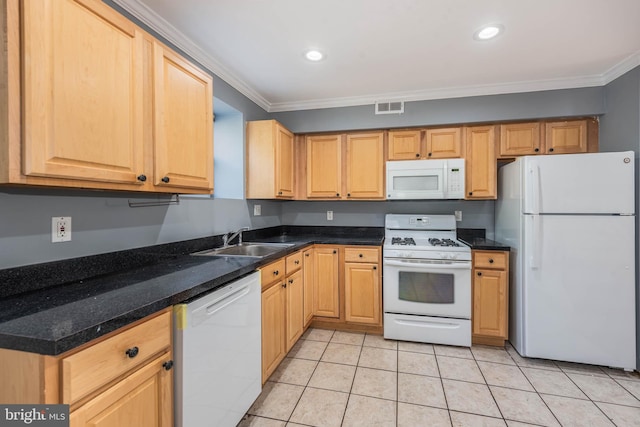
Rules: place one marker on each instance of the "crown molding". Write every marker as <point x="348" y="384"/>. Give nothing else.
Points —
<point x="158" y="24"/>
<point x="622" y="67"/>
<point x="442" y="93"/>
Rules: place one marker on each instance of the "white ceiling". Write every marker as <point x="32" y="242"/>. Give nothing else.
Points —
<point x="379" y="50"/>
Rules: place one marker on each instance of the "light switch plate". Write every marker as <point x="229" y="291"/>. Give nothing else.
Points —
<point x="458" y="215"/>
<point x="329" y="215"/>
<point x="257" y="210"/>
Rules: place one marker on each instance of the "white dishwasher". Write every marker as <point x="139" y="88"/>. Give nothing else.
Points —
<point x="218" y="355"/>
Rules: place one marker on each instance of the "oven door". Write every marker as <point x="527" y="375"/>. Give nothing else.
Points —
<point x="440" y="288"/>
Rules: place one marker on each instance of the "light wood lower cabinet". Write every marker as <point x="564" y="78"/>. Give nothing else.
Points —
<point x="490" y="283"/>
<point x="122" y="379"/>
<point x="273" y="327"/>
<point x="326" y="300"/>
<point x="282" y="309"/>
<point x="308" y="270"/>
<point x="362" y="292"/>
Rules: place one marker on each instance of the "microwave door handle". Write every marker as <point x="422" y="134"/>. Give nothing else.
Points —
<point x="463" y="265"/>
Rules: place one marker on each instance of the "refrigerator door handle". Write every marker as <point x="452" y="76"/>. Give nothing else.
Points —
<point x="535" y="190"/>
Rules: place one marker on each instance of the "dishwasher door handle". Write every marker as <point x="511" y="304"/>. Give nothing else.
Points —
<point x="226" y="300"/>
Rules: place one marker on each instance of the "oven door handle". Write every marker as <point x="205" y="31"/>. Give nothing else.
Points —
<point x="455" y="265"/>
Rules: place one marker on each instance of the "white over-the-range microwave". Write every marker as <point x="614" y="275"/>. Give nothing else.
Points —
<point x="425" y="179"/>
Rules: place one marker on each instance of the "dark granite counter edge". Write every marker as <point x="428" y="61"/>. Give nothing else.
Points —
<point x="316" y="235"/>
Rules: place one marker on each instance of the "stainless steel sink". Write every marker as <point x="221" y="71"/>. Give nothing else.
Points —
<point x="246" y="249"/>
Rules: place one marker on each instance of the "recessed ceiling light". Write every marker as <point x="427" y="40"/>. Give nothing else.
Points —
<point x="314" y="55"/>
<point x="488" y="32"/>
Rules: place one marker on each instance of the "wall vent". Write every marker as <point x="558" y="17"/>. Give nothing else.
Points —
<point x="395" y="107"/>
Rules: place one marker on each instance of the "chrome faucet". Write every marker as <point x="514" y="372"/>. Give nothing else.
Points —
<point x="226" y="238"/>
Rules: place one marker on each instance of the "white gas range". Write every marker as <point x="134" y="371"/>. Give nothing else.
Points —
<point x="426" y="280"/>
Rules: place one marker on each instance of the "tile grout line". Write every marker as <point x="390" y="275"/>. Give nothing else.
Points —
<point x="487" y="384"/>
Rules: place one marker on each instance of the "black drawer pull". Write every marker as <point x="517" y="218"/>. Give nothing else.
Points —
<point x="536" y="150"/>
<point x="142" y="178"/>
<point x="275" y="273"/>
<point x="417" y="154"/>
<point x="132" y="352"/>
<point x="551" y="150"/>
<point x="375" y="268"/>
<point x="335" y="252"/>
<point x="490" y="260"/>
<point x="360" y="255"/>
<point x="479" y="273"/>
<point x="165" y="179"/>
<point x="168" y="365"/>
<point x="296" y="262"/>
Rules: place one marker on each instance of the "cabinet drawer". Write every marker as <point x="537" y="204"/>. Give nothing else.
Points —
<point x="294" y="262"/>
<point x="272" y="272"/>
<point x="361" y="254"/>
<point x="490" y="259"/>
<point x="95" y="366"/>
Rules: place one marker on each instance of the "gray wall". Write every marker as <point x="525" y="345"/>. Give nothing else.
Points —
<point x="620" y="131"/>
<point x="520" y="106"/>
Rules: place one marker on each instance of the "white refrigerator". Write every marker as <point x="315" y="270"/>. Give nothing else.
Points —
<point x="570" y="222"/>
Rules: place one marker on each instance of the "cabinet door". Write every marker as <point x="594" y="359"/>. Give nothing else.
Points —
<point x="307" y="268"/>
<point x="404" y="145"/>
<point x="82" y="92"/>
<point x="481" y="165"/>
<point x="519" y="139"/>
<point x="365" y="166"/>
<point x="490" y="303"/>
<point x="566" y="137"/>
<point x="325" y="282"/>
<point x="295" y="308"/>
<point x="444" y="143"/>
<point x="324" y="166"/>
<point x="273" y="328"/>
<point x="362" y="292"/>
<point x="183" y="122"/>
<point x="284" y="163"/>
<point x="142" y="399"/>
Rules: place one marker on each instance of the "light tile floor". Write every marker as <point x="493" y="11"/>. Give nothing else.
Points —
<point x="350" y="379"/>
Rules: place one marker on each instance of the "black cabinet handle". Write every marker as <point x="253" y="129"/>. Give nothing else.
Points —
<point x="168" y="365"/>
<point x="338" y="194"/>
<point x="360" y="255"/>
<point x="132" y="352"/>
<point x="551" y="150"/>
<point x="335" y="252"/>
<point x="417" y="154"/>
<point x="536" y="150"/>
<point x="275" y="273"/>
<point x="375" y="268"/>
<point x="279" y="193"/>
<point x="296" y="262"/>
<point x="429" y="154"/>
<point x="479" y="273"/>
<point x="165" y="179"/>
<point x="490" y="260"/>
<point x="306" y="254"/>
<point x="284" y="285"/>
<point x="290" y="281"/>
<point x="142" y="178"/>
<point x="471" y="193"/>
<point x="348" y="194"/>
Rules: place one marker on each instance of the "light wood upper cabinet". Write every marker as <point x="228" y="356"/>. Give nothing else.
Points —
<point x="365" y="166"/>
<point x="404" y="145"/>
<point x="269" y="161"/>
<point x="566" y="137"/>
<point x="520" y="139"/>
<point x="324" y="166"/>
<point x="325" y="282"/>
<point x="90" y="100"/>
<point x="481" y="165"/>
<point x="183" y="119"/>
<point x="443" y="143"/>
<point x="490" y="317"/>
<point x="83" y="100"/>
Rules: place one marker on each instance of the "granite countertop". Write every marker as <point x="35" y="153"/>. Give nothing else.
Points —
<point x="475" y="238"/>
<point x="53" y="316"/>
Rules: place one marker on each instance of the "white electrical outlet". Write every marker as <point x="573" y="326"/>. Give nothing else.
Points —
<point x="60" y="229"/>
<point x="458" y="215"/>
<point x="329" y="215"/>
<point x="257" y="210"/>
